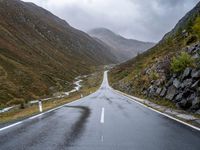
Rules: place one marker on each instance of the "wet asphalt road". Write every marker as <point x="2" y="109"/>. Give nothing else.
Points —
<point x="104" y="120"/>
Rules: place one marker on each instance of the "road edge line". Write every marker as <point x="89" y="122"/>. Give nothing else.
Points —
<point x="133" y="98"/>
<point x="50" y="110"/>
<point x="47" y="111"/>
<point x="40" y="114"/>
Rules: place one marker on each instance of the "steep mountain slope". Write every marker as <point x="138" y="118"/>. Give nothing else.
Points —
<point x="40" y="53"/>
<point x="168" y="71"/>
<point x="123" y="48"/>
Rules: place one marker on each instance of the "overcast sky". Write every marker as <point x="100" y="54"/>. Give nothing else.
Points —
<point x="146" y="20"/>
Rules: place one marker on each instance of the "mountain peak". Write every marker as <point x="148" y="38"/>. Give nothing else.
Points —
<point x="125" y="48"/>
<point x="103" y="32"/>
<point x="100" y="30"/>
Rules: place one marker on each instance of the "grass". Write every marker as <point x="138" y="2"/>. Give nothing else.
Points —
<point x="137" y="79"/>
<point x="32" y="110"/>
<point x="184" y="60"/>
<point x="90" y="85"/>
<point x="163" y="102"/>
<point x="159" y="101"/>
<point x="196" y="27"/>
<point x="132" y="76"/>
<point x="197" y="115"/>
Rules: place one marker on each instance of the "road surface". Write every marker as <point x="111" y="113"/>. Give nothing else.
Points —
<point x="104" y="120"/>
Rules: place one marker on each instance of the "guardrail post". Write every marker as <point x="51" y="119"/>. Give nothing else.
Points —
<point x="40" y="105"/>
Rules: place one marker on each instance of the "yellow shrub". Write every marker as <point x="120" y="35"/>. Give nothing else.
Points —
<point x="181" y="62"/>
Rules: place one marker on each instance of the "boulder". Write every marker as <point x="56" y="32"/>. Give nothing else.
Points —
<point x="152" y="90"/>
<point x="191" y="97"/>
<point x="195" y="56"/>
<point x="145" y="92"/>
<point x="187" y="93"/>
<point x="195" y="104"/>
<point x="175" y="75"/>
<point x="170" y="82"/>
<point x="163" y="92"/>
<point x="186" y="83"/>
<point x="158" y="91"/>
<point x="198" y="91"/>
<point x="152" y="82"/>
<point x="176" y="83"/>
<point x="190" y="49"/>
<point x="171" y="92"/>
<point x="195" y="74"/>
<point x="158" y="82"/>
<point x="184" y="104"/>
<point x="197" y="112"/>
<point x="195" y="85"/>
<point x="178" y="98"/>
<point x="193" y="49"/>
<point x="186" y="73"/>
<point x="148" y="71"/>
<point x="197" y="47"/>
<point x="190" y="101"/>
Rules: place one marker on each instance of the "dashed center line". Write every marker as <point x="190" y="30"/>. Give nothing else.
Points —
<point x="102" y="115"/>
<point x="102" y="138"/>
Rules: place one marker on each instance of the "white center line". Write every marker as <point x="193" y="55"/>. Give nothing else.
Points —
<point x="102" y="116"/>
<point x="102" y="138"/>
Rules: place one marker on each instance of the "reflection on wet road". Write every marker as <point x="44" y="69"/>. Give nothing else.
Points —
<point x="102" y="121"/>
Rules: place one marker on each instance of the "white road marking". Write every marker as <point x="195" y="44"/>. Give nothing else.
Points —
<point x="173" y="118"/>
<point x="102" y="138"/>
<point x="12" y="125"/>
<point x="38" y="115"/>
<point x="34" y="117"/>
<point x="102" y="115"/>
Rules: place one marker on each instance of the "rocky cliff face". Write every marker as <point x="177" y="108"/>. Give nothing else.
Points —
<point x="182" y="88"/>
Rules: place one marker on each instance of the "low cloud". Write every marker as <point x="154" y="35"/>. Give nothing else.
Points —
<point x="146" y="20"/>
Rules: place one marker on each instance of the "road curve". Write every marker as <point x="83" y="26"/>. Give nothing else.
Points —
<point x="102" y="121"/>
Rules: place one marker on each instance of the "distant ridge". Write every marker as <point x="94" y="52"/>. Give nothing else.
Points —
<point x="123" y="48"/>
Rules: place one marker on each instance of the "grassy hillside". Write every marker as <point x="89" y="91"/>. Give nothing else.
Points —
<point x="136" y="75"/>
<point x="89" y="84"/>
<point x="41" y="54"/>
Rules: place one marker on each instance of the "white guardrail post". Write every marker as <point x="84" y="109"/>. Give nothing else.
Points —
<point x="40" y="105"/>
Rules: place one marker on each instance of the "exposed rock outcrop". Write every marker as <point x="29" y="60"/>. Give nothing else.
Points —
<point x="182" y="88"/>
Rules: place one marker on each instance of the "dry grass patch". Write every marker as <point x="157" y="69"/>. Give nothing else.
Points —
<point x="90" y="85"/>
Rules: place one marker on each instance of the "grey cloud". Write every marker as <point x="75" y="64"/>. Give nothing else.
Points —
<point x="146" y="20"/>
